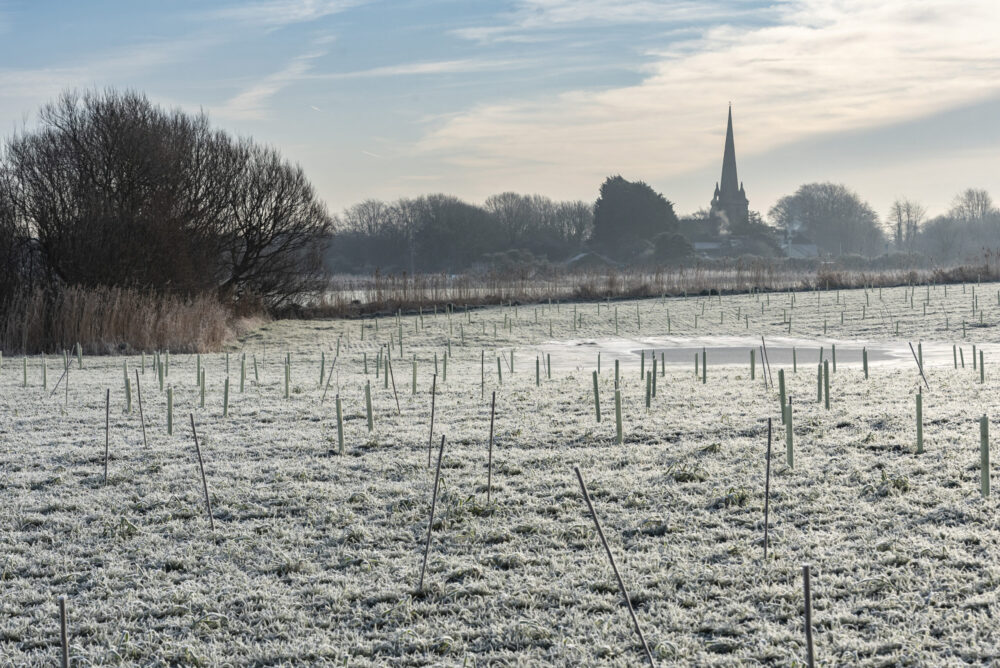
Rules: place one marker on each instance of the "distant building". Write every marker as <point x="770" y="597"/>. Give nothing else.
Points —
<point x="729" y="203"/>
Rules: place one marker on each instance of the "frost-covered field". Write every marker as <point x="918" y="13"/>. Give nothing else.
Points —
<point x="316" y="556"/>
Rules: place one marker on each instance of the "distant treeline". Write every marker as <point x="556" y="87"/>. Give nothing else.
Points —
<point x="630" y="224"/>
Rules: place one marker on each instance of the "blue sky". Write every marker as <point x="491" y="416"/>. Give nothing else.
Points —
<point x="895" y="98"/>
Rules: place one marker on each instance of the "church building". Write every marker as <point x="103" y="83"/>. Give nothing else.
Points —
<point x="730" y="206"/>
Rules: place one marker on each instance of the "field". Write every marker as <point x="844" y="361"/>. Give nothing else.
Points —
<point x="315" y="556"/>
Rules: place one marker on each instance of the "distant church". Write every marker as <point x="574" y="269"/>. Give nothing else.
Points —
<point x="730" y="206"/>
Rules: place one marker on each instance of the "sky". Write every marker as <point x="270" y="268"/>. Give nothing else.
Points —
<point x="389" y="99"/>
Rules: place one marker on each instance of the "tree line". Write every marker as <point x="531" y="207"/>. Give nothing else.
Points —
<point x="108" y="189"/>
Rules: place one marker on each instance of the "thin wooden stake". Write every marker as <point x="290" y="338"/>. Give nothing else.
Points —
<point x="107" y="430"/>
<point x="63" y="636"/>
<point x="430" y="522"/>
<point x="392" y="377"/>
<point x="142" y="420"/>
<point x="767" y="486"/>
<point x="201" y="466"/>
<point x="489" y="469"/>
<point x="810" y="661"/>
<point x="920" y="366"/>
<point x="614" y="567"/>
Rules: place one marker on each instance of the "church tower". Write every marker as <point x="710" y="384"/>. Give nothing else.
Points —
<point x="729" y="204"/>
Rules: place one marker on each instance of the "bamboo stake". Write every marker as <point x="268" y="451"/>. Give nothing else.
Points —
<point x="489" y="470"/>
<point x="810" y="661"/>
<point x="614" y="567"/>
<point x="142" y="420"/>
<point x="63" y="636"/>
<point x="430" y="522"/>
<point x="107" y="430"/>
<point x="201" y="467"/>
<point x="767" y="486"/>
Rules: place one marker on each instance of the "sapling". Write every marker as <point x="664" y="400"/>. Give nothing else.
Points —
<point x="649" y="388"/>
<point x="618" y="414"/>
<point x="826" y="384"/>
<point x="225" y="399"/>
<point x="170" y="411"/>
<point x="368" y="405"/>
<point x="142" y="420"/>
<point x="781" y="392"/>
<point x="982" y="370"/>
<point x="920" y="422"/>
<point x="430" y="438"/>
<point x="499" y="373"/>
<point x="340" y="428"/>
<point x="864" y="361"/>
<point x="984" y="454"/>
<point x="201" y="390"/>
<point x="413" y="382"/>
<point x="128" y="388"/>
<point x="243" y="372"/>
<point x="786" y="411"/>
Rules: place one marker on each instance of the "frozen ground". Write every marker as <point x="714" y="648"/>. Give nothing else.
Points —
<point x="316" y="556"/>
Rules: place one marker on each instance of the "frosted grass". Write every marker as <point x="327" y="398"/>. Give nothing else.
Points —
<point x="315" y="557"/>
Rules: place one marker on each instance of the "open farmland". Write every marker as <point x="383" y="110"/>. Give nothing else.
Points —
<point x="316" y="556"/>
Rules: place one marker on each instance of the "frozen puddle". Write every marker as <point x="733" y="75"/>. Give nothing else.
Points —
<point x="730" y="350"/>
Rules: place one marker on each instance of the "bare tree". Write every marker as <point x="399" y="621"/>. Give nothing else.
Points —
<point x="117" y="191"/>
<point x="271" y="236"/>
<point x="905" y="218"/>
<point x="972" y="205"/>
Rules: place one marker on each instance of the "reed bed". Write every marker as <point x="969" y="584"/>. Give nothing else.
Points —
<point x="112" y="320"/>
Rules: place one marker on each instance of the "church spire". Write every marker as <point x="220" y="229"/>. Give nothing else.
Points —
<point x="730" y="184"/>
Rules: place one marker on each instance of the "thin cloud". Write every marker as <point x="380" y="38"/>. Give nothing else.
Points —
<point x="277" y="13"/>
<point x="427" y="68"/>
<point x="533" y="17"/>
<point x="252" y="103"/>
<point x="821" y="68"/>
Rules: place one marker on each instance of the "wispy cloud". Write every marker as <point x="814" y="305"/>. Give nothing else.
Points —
<point x="38" y="84"/>
<point x="276" y="13"/>
<point x="429" y="68"/>
<point x="820" y="67"/>
<point x="533" y="18"/>
<point x="252" y="103"/>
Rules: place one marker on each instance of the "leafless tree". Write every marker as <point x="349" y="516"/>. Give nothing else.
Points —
<point x="117" y="191"/>
<point x="271" y="234"/>
<point x="972" y="205"/>
<point x="905" y="219"/>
